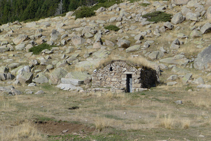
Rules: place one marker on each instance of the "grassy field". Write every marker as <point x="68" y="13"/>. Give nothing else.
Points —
<point x="148" y="115"/>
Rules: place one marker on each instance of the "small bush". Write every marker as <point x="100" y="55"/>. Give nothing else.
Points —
<point x="158" y="16"/>
<point x="112" y="27"/>
<point x="39" y="48"/>
<point x="84" y="12"/>
<point x="144" y="4"/>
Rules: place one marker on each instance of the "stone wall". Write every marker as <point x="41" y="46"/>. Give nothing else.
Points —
<point x="114" y="75"/>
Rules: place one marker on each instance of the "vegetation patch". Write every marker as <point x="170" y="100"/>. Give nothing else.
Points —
<point x="144" y="4"/>
<point x="158" y="16"/>
<point x="84" y="12"/>
<point x="112" y="27"/>
<point x="40" y="48"/>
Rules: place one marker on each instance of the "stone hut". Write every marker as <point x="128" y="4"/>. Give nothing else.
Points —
<point x="125" y="76"/>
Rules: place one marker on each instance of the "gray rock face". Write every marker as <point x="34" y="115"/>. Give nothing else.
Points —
<point x="72" y="81"/>
<point x="180" y="2"/>
<point x="76" y="40"/>
<point x="199" y="80"/>
<point x="177" y="18"/>
<point x="208" y="14"/>
<point x="195" y="34"/>
<point x="203" y="60"/>
<point x="186" y="78"/>
<point x="123" y="43"/>
<point x="41" y="78"/>
<point x="21" y="38"/>
<point x="54" y="35"/>
<point x="56" y="75"/>
<point x="24" y="75"/>
<point x="133" y="48"/>
<point x="192" y="16"/>
<point x="20" y="47"/>
<point x="3" y="49"/>
<point x="206" y="28"/>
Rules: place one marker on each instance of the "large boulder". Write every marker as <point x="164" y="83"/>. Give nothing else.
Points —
<point x="41" y="78"/>
<point x="206" y="28"/>
<point x="133" y="48"/>
<point x="21" y="38"/>
<point x="54" y="35"/>
<point x="180" y="2"/>
<point x="76" y="40"/>
<point x="123" y="43"/>
<point x="177" y="18"/>
<point x="56" y="75"/>
<point x="24" y="75"/>
<point x="203" y="60"/>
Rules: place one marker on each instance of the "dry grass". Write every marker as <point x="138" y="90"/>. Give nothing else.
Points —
<point x="24" y="132"/>
<point x="101" y="123"/>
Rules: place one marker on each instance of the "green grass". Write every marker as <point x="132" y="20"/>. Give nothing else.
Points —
<point x="144" y="4"/>
<point x="40" y="48"/>
<point x="158" y="16"/>
<point x="112" y="27"/>
<point x="89" y="11"/>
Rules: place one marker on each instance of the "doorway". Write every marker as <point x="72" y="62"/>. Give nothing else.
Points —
<point x="129" y="83"/>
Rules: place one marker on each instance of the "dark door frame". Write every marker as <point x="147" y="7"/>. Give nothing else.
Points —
<point x="129" y="83"/>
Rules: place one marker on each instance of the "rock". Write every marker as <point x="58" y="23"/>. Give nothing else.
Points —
<point x="3" y="49"/>
<point x="20" y="47"/>
<point x="179" y="2"/>
<point x="75" y="82"/>
<point x="177" y="18"/>
<point x="208" y="13"/>
<point x="192" y="16"/>
<point x="208" y="3"/>
<point x="179" y="102"/>
<point x="13" y="65"/>
<point x="175" y="44"/>
<point x="56" y="75"/>
<point x="204" y="86"/>
<point x="171" y="83"/>
<point x="76" y="40"/>
<point x="101" y="9"/>
<point x="4" y="69"/>
<point x="199" y="80"/>
<point x="206" y="28"/>
<point x="40" y="92"/>
<point x="179" y="70"/>
<point x="173" y="77"/>
<point x="186" y="78"/>
<point x="203" y="60"/>
<point x="67" y="87"/>
<point x="69" y="14"/>
<point x="153" y="55"/>
<point x="175" y="60"/>
<point x="123" y="43"/>
<point x="133" y="48"/>
<point x="24" y="75"/>
<point x="195" y="34"/>
<point x="168" y="25"/>
<point x="41" y="78"/>
<point x="21" y="38"/>
<point x="54" y="35"/>
<point x="32" y="85"/>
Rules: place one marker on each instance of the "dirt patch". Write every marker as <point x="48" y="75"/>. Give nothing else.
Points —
<point x="61" y="128"/>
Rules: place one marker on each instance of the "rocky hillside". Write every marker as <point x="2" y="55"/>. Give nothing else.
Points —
<point x="180" y="46"/>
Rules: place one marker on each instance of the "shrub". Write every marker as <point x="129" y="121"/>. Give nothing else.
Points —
<point x="158" y="16"/>
<point x="84" y="12"/>
<point x="112" y="27"/>
<point x="39" y="48"/>
<point x="144" y="4"/>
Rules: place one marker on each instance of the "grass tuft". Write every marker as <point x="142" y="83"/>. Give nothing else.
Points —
<point x="40" y="48"/>
<point x="144" y="4"/>
<point x="112" y="27"/>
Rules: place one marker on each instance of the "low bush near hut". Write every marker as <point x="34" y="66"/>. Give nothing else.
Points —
<point x="158" y="16"/>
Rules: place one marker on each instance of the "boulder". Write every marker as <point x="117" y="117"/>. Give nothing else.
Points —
<point x="56" y="75"/>
<point x="123" y="43"/>
<point x="133" y="48"/>
<point x="206" y="28"/>
<point x="177" y="18"/>
<point x="192" y="16"/>
<point x="24" y="75"/>
<point x="69" y="14"/>
<point x="208" y="14"/>
<point x="54" y="35"/>
<point x="203" y="60"/>
<point x="3" y="49"/>
<point x="4" y="69"/>
<point x="21" y="38"/>
<point x="180" y="2"/>
<point x="199" y="80"/>
<point x="186" y="78"/>
<point x="195" y="34"/>
<point x="41" y="78"/>
<point x="76" y="40"/>
<point x="67" y="87"/>
<point x="20" y="47"/>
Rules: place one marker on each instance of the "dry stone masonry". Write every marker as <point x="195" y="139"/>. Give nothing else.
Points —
<point x="124" y="76"/>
